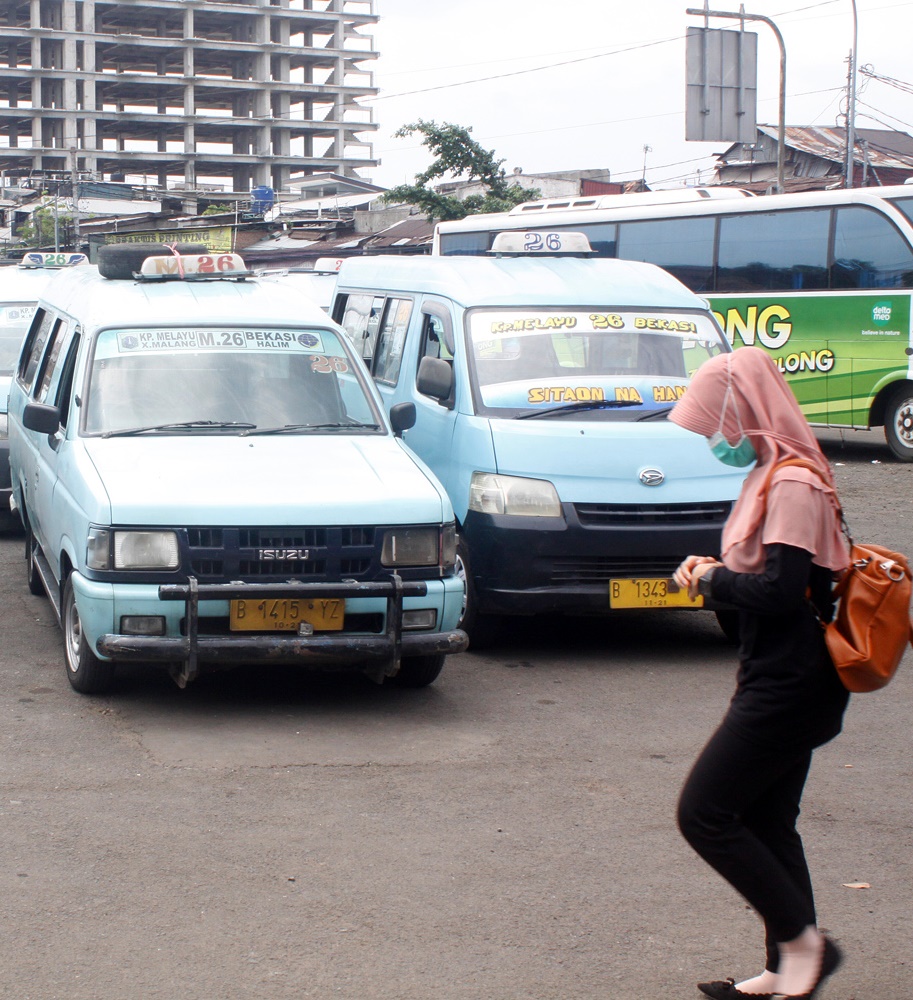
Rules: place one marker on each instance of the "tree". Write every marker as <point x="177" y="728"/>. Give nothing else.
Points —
<point x="38" y="231"/>
<point x="461" y="157"/>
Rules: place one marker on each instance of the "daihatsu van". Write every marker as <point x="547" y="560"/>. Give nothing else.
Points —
<point x="207" y="477"/>
<point x="542" y="384"/>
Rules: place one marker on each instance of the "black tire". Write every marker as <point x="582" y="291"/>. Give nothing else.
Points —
<point x="898" y="422"/>
<point x="86" y="673"/>
<point x="35" y="584"/>
<point x="729" y="623"/>
<point x="419" y="671"/>
<point x="121" y="260"/>
<point x="482" y="629"/>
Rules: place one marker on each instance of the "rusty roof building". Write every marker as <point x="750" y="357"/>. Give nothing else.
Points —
<point x="191" y="94"/>
<point x="815" y="158"/>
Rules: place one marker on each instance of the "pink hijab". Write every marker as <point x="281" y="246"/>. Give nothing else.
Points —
<point x="761" y="406"/>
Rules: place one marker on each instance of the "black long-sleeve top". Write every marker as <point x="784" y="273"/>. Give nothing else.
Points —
<point x="788" y="691"/>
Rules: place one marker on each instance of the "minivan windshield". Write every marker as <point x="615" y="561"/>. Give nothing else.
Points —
<point x="594" y="363"/>
<point x="226" y="381"/>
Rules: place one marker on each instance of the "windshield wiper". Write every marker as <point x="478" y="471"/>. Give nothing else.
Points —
<point x="656" y="414"/>
<point x="590" y="404"/>
<point x="183" y="425"/>
<point x="350" y="424"/>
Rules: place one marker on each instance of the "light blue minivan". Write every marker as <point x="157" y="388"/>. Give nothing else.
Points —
<point x="20" y="286"/>
<point x="206" y="477"/>
<point x="542" y="386"/>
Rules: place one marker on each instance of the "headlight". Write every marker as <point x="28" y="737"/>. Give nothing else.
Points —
<point x="132" y="549"/>
<point x="4" y="426"/>
<point x="493" y="494"/>
<point x="411" y="547"/>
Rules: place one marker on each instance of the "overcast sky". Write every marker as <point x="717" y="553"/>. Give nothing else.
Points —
<point x="608" y="78"/>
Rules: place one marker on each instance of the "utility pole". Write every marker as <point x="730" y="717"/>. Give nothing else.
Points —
<point x="643" y="176"/>
<point x="74" y="183"/>
<point x="851" y="105"/>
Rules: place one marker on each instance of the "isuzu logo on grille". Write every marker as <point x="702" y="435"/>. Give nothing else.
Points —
<point x="283" y="555"/>
<point x="651" y="477"/>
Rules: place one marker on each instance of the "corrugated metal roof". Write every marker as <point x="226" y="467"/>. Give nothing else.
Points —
<point x="885" y="147"/>
<point x="414" y="232"/>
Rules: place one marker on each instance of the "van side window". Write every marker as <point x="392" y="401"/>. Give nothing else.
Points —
<point x="49" y="363"/>
<point x="64" y="394"/>
<point x="434" y="343"/>
<point x="359" y="315"/>
<point x="35" y="341"/>
<point x="391" y="340"/>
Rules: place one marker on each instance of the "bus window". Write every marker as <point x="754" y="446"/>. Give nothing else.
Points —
<point x="684" y="247"/>
<point x="776" y="251"/>
<point x="905" y="205"/>
<point x="603" y="237"/>
<point x="869" y="252"/>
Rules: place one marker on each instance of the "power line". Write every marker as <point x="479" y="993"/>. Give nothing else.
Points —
<point x="522" y="72"/>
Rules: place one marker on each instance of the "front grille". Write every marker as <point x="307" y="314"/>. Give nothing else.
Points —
<point x="605" y="515"/>
<point x="223" y="554"/>
<point x="602" y="569"/>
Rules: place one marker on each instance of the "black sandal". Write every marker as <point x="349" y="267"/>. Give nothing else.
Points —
<point x="720" y="990"/>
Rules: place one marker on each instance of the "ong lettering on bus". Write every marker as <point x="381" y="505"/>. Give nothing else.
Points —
<point x="770" y="325"/>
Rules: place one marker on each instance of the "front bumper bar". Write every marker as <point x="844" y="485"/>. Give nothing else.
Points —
<point x="379" y="653"/>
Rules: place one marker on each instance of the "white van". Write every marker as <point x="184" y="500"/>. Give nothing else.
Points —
<point x="207" y="477"/>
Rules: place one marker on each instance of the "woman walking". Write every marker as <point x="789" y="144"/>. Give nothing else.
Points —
<point x="781" y="546"/>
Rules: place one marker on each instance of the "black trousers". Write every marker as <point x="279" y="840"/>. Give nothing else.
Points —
<point x="738" y="809"/>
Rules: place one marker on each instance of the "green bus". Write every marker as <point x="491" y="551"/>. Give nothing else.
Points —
<point x="821" y="280"/>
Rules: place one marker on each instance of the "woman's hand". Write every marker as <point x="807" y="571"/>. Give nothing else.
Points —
<point x="691" y="569"/>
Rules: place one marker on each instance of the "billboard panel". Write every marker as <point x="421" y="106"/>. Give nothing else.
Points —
<point x="721" y="70"/>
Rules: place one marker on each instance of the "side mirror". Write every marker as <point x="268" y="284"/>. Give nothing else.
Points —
<point x="435" y="379"/>
<point x="41" y="417"/>
<point x="402" y="417"/>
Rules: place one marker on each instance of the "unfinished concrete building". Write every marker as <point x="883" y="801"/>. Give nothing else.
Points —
<point x="186" y="93"/>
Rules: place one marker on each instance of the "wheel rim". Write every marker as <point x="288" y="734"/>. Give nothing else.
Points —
<point x="903" y="423"/>
<point x="72" y="635"/>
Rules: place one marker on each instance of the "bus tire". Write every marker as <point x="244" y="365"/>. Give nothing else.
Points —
<point x="898" y="422"/>
<point x="86" y="673"/>
<point x="121" y="260"/>
<point x="482" y="629"/>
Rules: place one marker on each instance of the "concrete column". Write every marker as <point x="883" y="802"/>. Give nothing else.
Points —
<point x="70" y="103"/>
<point x="89" y="94"/>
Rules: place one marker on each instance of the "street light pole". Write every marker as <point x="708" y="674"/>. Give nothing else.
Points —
<point x="851" y="106"/>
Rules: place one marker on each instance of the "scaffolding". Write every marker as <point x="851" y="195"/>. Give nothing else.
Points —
<point x="186" y="94"/>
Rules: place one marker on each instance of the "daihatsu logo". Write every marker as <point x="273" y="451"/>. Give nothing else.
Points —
<point x="651" y="477"/>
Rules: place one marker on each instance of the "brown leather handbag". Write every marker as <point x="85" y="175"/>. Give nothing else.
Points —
<point x="870" y="631"/>
<point x="872" y="627"/>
